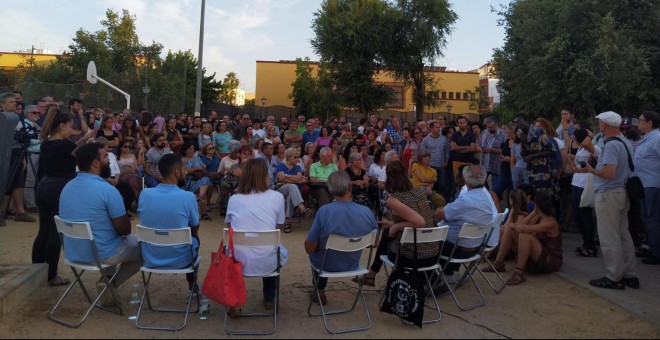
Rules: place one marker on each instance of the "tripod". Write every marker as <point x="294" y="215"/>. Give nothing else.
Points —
<point x="23" y="156"/>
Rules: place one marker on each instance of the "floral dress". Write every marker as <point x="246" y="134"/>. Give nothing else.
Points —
<point x="193" y="184"/>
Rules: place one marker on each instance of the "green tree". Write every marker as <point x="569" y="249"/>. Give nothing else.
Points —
<point x="422" y="28"/>
<point x="595" y="55"/>
<point x="314" y="96"/>
<point x="349" y="37"/>
<point x="229" y="86"/>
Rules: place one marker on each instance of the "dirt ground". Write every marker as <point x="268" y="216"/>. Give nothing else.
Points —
<point x="544" y="307"/>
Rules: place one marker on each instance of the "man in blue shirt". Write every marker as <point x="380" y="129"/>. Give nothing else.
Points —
<point x="90" y="198"/>
<point x="342" y="217"/>
<point x="169" y="207"/>
<point x="310" y="135"/>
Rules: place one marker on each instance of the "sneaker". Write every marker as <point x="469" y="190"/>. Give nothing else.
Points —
<point x="235" y="312"/>
<point x="24" y="217"/>
<point x="643" y="252"/>
<point x="653" y="260"/>
<point x="106" y="299"/>
<point x="453" y="278"/>
<point x="33" y="210"/>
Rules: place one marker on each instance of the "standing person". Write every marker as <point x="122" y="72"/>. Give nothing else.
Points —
<point x="396" y="133"/>
<point x="205" y="137"/>
<point x="503" y="181"/>
<point x="254" y="207"/>
<point x="646" y="160"/>
<point x="518" y="165"/>
<point x="79" y="123"/>
<point x="58" y="165"/>
<point x="90" y="198"/>
<point x="436" y="144"/>
<point x="169" y="207"/>
<point x="463" y="145"/>
<point x="491" y="149"/>
<point x="341" y="217"/>
<point x="34" y="149"/>
<point x="221" y="139"/>
<point x="612" y="204"/>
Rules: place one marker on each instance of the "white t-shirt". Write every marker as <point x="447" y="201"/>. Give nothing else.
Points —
<point x="257" y="212"/>
<point x="560" y="143"/>
<point x="114" y="166"/>
<point x="582" y="155"/>
<point x="375" y="171"/>
<point x="259" y="133"/>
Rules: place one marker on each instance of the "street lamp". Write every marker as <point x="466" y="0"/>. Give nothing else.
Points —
<point x="449" y="107"/>
<point x="263" y="106"/>
<point x="145" y="90"/>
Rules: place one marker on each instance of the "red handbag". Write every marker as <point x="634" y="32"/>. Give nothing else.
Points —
<point x="224" y="281"/>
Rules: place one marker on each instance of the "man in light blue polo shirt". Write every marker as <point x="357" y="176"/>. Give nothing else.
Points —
<point x="169" y="207"/>
<point x="647" y="164"/>
<point x="90" y="198"/>
<point x="341" y="217"/>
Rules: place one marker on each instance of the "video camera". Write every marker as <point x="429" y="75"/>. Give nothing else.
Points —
<point x="25" y="134"/>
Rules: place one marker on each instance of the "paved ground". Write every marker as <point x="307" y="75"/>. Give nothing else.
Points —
<point x="644" y="302"/>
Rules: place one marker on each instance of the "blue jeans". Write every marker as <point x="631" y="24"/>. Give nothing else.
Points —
<point x="651" y="218"/>
<point x="519" y="176"/>
<point x="501" y="183"/>
<point x="270" y="288"/>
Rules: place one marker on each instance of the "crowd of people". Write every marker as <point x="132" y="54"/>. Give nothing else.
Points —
<point x="379" y="173"/>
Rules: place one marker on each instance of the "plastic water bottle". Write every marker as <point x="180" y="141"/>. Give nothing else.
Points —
<point x="203" y="306"/>
<point x="134" y="301"/>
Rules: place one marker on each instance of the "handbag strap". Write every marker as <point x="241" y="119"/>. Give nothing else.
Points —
<point x="231" y="243"/>
<point x="415" y="265"/>
<point x="630" y="161"/>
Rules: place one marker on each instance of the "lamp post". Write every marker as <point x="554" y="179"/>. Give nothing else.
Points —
<point x="449" y="107"/>
<point x="263" y="106"/>
<point x="145" y="90"/>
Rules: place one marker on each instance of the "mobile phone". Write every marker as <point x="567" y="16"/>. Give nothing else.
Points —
<point x="583" y="164"/>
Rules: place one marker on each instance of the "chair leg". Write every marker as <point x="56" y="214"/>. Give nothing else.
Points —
<point x="490" y="283"/>
<point x="146" y="279"/>
<point x="256" y="314"/>
<point x="325" y="314"/>
<point x="452" y="291"/>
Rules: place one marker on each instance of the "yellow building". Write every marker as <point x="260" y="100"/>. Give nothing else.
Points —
<point x="10" y="60"/>
<point x="454" y="89"/>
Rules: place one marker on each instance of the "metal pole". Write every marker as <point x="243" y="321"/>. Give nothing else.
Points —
<point x="198" y="90"/>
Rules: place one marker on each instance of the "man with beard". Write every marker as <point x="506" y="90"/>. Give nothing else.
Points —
<point x="152" y="175"/>
<point x="89" y="198"/>
<point x="167" y="206"/>
<point x="463" y="146"/>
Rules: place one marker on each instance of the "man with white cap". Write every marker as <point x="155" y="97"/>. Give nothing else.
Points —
<point x="612" y="205"/>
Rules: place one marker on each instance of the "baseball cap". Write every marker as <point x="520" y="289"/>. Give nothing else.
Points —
<point x="610" y="118"/>
<point x="628" y="122"/>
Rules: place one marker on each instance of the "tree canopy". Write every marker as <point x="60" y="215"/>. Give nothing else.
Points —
<point x="594" y="55"/>
<point x="314" y="96"/>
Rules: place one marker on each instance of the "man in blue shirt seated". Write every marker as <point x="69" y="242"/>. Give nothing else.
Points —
<point x="169" y="207"/>
<point x="90" y="198"/>
<point x="342" y="217"/>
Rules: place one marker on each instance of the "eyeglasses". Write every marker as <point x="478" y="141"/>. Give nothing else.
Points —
<point x="35" y="112"/>
<point x="126" y="147"/>
<point x="247" y="153"/>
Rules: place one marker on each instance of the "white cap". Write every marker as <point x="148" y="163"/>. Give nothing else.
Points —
<point x="610" y="118"/>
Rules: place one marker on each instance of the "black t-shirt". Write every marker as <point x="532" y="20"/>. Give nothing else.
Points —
<point x="183" y="128"/>
<point x="461" y="140"/>
<point x="356" y="177"/>
<point x="110" y="138"/>
<point x="56" y="160"/>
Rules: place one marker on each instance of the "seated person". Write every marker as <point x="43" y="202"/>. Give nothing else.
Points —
<point x="89" y="198"/>
<point x="152" y="177"/>
<point x="196" y="181"/>
<point x="286" y="179"/>
<point x="359" y="179"/>
<point x="169" y="207"/>
<point x="125" y="190"/>
<point x="409" y="208"/>
<point x="211" y="163"/>
<point x="536" y="239"/>
<point x="475" y="206"/>
<point x="342" y="217"/>
<point x="423" y="175"/>
<point x="254" y="207"/>
<point x="318" y="175"/>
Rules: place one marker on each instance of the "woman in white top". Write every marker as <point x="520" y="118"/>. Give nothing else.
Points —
<point x="254" y="207"/>
<point x="586" y="153"/>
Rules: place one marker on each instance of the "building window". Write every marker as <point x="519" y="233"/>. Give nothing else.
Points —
<point x="451" y="95"/>
<point x="444" y="95"/>
<point x="397" y="101"/>
<point x="458" y="95"/>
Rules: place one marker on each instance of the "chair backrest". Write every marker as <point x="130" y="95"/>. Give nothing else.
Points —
<point x="500" y="217"/>
<point x="473" y="231"/>
<point x="164" y="237"/>
<point x="253" y="238"/>
<point x="350" y="244"/>
<point x="425" y="235"/>
<point x="76" y="230"/>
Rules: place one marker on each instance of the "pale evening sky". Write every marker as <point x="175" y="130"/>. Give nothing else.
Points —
<point x="237" y="32"/>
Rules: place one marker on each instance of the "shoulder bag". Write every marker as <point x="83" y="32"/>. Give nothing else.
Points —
<point x="224" y="281"/>
<point x="634" y="186"/>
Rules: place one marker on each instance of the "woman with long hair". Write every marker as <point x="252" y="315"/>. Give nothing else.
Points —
<point x="536" y="239"/>
<point x="57" y="166"/>
<point x="271" y="135"/>
<point x="173" y="136"/>
<point x="144" y="126"/>
<point x="129" y="130"/>
<point x="128" y="166"/>
<point x="248" y="138"/>
<point x="152" y="130"/>
<point x="409" y="208"/>
<point x="196" y="181"/>
<point x="107" y="132"/>
<point x="324" y="138"/>
<point x="206" y="136"/>
<point x="425" y="176"/>
<point x="349" y="148"/>
<point x="255" y="207"/>
<point x="279" y="153"/>
<point x="311" y="155"/>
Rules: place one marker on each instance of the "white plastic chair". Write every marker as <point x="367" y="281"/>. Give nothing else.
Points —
<point x="344" y="244"/>
<point x="165" y="238"/>
<point x="468" y="232"/>
<point x="424" y="235"/>
<point x="257" y="239"/>
<point x="487" y="249"/>
<point x="83" y="231"/>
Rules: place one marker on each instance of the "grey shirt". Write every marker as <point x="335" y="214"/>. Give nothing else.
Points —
<point x="614" y="152"/>
<point x="437" y="147"/>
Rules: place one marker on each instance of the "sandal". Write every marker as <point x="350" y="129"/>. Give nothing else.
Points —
<point x="586" y="252"/>
<point x="365" y="280"/>
<point x="58" y="281"/>
<point x="287" y="228"/>
<point x="604" y="282"/>
<point x="516" y="278"/>
<point x="499" y="267"/>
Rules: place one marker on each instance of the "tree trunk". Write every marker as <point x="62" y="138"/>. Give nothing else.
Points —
<point x="420" y="94"/>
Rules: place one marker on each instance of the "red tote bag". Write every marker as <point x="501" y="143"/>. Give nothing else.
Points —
<point x="224" y="282"/>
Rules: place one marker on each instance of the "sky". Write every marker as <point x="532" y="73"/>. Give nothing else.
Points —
<point x="237" y="33"/>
